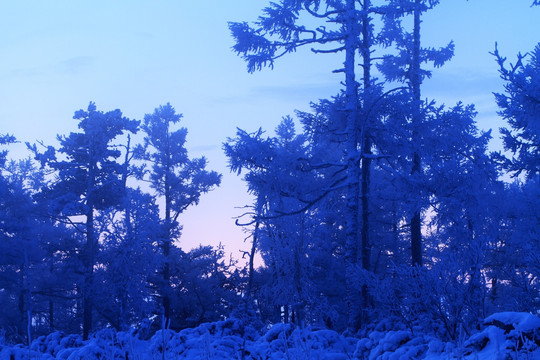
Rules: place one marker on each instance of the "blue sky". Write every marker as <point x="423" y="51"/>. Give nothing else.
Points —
<point x="136" y="55"/>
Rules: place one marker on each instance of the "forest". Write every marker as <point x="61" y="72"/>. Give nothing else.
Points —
<point x="381" y="225"/>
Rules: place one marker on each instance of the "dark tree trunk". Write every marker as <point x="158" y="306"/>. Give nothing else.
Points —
<point x="88" y="302"/>
<point x="416" y="221"/>
<point x="366" y="150"/>
<point x="251" y="260"/>
<point x="167" y="269"/>
<point x="366" y="160"/>
<point x="91" y="244"/>
<point x="353" y="168"/>
<point x="167" y="246"/>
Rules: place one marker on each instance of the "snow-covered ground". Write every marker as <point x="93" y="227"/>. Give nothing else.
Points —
<point x="508" y="335"/>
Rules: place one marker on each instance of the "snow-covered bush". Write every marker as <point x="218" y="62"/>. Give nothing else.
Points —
<point x="507" y="335"/>
<point x="443" y="300"/>
<point x="402" y="344"/>
<point x="218" y="340"/>
<point x="55" y="342"/>
<point x="102" y="345"/>
<point x="284" y="341"/>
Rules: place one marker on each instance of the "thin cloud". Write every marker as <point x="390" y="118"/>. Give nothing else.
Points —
<point x="76" y="65"/>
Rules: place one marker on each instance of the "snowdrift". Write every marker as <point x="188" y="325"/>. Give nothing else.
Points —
<point x="508" y="335"/>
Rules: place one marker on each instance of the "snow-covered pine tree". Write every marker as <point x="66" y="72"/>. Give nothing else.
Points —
<point x="406" y="67"/>
<point x="88" y="179"/>
<point x="520" y="107"/>
<point x="334" y="27"/>
<point x="275" y="177"/>
<point x="177" y="179"/>
<point x="517" y="256"/>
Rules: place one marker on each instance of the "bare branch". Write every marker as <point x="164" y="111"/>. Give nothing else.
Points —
<point x="325" y="15"/>
<point x="316" y="51"/>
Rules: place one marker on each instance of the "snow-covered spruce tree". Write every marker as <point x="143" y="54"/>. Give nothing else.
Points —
<point x="461" y="183"/>
<point x="439" y="155"/>
<point x="334" y="27"/>
<point x="274" y="176"/>
<point x="21" y="249"/>
<point x="406" y="67"/>
<point x="208" y="283"/>
<point x="42" y="252"/>
<point x="278" y="33"/>
<point x="37" y="253"/>
<point x="176" y="179"/>
<point x="520" y="107"/>
<point x="515" y="271"/>
<point x="88" y="179"/>
<point x="5" y="140"/>
<point x="324" y="128"/>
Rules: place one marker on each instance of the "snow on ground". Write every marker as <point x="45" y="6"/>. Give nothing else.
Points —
<point x="507" y="335"/>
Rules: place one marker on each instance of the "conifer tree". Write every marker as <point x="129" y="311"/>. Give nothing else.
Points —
<point x="275" y="176"/>
<point x="406" y="67"/>
<point x="89" y="179"/>
<point x="177" y="179"/>
<point x="518" y="257"/>
<point x="520" y="107"/>
<point x="5" y="140"/>
<point x="279" y="32"/>
<point x="19" y="246"/>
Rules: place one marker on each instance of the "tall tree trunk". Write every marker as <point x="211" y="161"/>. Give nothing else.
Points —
<point x="166" y="253"/>
<point x="28" y="296"/>
<point x="127" y="198"/>
<point x="88" y="303"/>
<point x="298" y="306"/>
<point x="167" y="237"/>
<point x="90" y="247"/>
<point x="366" y="150"/>
<point x="130" y="236"/>
<point x="353" y="168"/>
<point x="366" y="179"/>
<point x="416" y="221"/>
<point x="366" y="140"/>
<point x="50" y="294"/>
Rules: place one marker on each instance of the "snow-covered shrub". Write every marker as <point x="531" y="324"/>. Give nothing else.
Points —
<point x="56" y="344"/>
<point x="284" y="341"/>
<point x="245" y="321"/>
<point x="161" y="342"/>
<point x="18" y="352"/>
<point x="278" y="331"/>
<point x="507" y="335"/>
<point x="217" y="340"/>
<point x="49" y="344"/>
<point x="443" y="301"/>
<point x="103" y="344"/>
<point x="401" y="344"/>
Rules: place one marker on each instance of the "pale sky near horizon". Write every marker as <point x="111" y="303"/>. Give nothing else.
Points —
<point x="135" y="55"/>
